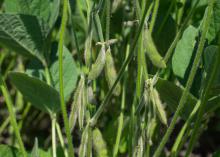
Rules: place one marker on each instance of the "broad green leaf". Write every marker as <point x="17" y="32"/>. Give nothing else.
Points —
<point x="214" y="27"/>
<point x="70" y="72"/>
<point x="47" y="10"/>
<point x="11" y="6"/>
<point x="22" y="34"/>
<point x="184" y="51"/>
<point x="170" y="94"/>
<point x="7" y="151"/>
<point x="36" y="69"/>
<point x="54" y="12"/>
<point x="209" y="55"/>
<point x="41" y="95"/>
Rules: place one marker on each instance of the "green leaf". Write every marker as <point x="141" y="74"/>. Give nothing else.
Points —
<point x="214" y="27"/>
<point x="70" y="72"/>
<point x="209" y="55"/>
<point x="36" y="69"/>
<point x="46" y="10"/>
<point x="54" y="12"/>
<point x="170" y="94"/>
<point x="22" y="34"/>
<point x="41" y="95"/>
<point x="7" y="151"/>
<point x="184" y="51"/>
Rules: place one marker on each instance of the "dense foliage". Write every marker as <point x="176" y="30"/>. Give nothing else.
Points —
<point x="109" y="78"/>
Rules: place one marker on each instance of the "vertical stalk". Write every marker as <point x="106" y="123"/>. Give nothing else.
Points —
<point x="59" y="133"/>
<point x="62" y="101"/>
<point x="121" y="118"/>
<point x="108" y="19"/>
<point x="176" y="146"/>
<point x="205" y="94"/>
<point x="180" y="12"/>
<point x="12" y="115"/>
<point x="154" y="15"/>
<point x="189" y="82"/>
<point x="54" y="135"/>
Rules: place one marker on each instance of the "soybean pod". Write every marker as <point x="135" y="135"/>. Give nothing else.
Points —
<point x="98" y="66"/>
<point x="152" y="51"/>
<point x="110" y="72"/>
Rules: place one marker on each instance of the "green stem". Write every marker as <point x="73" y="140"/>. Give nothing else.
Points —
<point x="154" y="15"/>
<point x="165" y="18"/>
<point x="179" y="138"/>
<point x="98" y="26"/>
<point x="4" y="125"/>
<point x="205" y="94"/>
<point x="62" y="101"/>
<point x="12" y="115"/>
<point x="59" y="133"/>
<point x="127" y="61"/>
<point x="108" y="19"/>
<point x="180" y="12"/>
<point x="24" y="114"/>
<point x="54" y="135"/>
<point x="188" y="85"/>
<point x="121" y="118"/>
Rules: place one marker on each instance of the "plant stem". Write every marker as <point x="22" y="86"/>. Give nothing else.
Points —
<point x="98" y="26"/>
<point x="59" y="133"/>
<point x="24" y="114"/>
<point x="54" y="135"/>
<point x="165" y="18"/>
<point x="4" y="125"/>
<point x="62" y="101"/>
<point x="154" y="15"/>
<point x="205" y="94"/>
<point x="126" y="62"/>
<point x="179" y="138"/>
<point x="121" y="118"/>
<point x="180" y="12"/>
<point x="12" y="115"/>
<point x="108" y="19"/>
<point x="188" y="84"/>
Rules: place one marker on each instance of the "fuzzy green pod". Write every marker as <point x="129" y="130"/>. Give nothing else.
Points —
<point x="77" y="103"/>
<point x="110" y="73"/>
<point x="152" y="51"/>
<point x="84" y="143"/>
<point x="81" y="109"/>
<point x="150" y="130"/>
<point x="159" y="107"/>
<point x="88" y="49"/>
<point x="99" y="144"/>
<point x="98" y="66"/>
